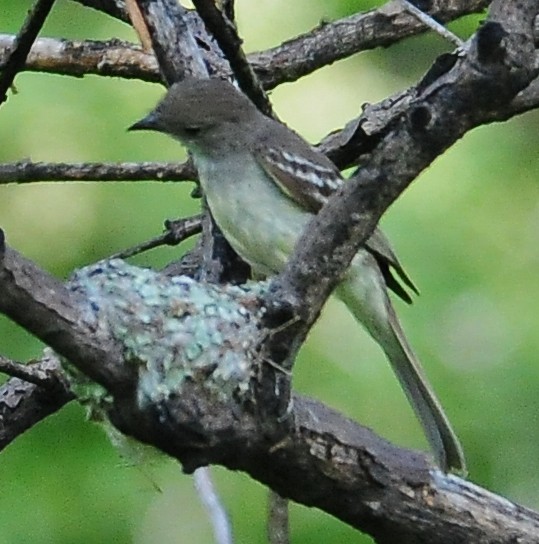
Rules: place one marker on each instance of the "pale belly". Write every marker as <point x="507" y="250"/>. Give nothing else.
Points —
<point x="258" y="220"/>
<point x="263" y="226"/>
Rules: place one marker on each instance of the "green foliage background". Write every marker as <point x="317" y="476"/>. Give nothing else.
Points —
<point x="467" y="231"/>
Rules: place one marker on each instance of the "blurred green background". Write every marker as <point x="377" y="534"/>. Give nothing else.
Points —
<point x="467" y="232"/>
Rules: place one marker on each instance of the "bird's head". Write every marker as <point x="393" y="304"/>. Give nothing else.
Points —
<point x="198" y="110"/>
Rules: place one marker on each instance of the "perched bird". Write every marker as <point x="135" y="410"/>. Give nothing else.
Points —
<point x="263" y="183"/>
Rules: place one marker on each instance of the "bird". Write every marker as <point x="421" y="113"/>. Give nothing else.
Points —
<point x="263" y="182"/>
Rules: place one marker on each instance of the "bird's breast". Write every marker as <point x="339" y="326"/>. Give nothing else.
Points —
<point x="260" y="222"/>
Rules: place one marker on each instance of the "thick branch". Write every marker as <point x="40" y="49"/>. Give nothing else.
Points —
<point x="173" y="37"/>
<point x="317" y="457"/>
<point x="353" y="144"/>
<point x="354" y="475"/>
<point x="44" y="307"/>
<point x="173" y="42"/>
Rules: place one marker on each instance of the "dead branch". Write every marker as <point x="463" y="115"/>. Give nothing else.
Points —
<point x="22" y="45"/>
<point x="28" y="171"/>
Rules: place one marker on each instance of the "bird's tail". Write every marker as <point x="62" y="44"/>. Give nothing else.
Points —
<point x="363" y="291"/>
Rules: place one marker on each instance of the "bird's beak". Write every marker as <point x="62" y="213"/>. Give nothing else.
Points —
<point x="150" y="122"/>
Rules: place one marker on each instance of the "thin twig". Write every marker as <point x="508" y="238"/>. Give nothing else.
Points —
<point x="114" y="8"/>
<point x="28" y="171"/>
<point x="176" y="232"/>
<point x="278" y="527"/>
<point x="432" y="23"/>
<point x="23" y="43"/>
<point x="213" y="505"/>
<point x="27" y="373"/>
<point x="225" y="34"/>
<point x="137" y="21"/>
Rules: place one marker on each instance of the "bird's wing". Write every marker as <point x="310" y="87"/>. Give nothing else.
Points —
<point x="309" y="178"/>
<point x="306" y="181"/>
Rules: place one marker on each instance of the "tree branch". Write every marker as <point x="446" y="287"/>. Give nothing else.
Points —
<point x="330" y="42"/>
<point x="467" y="90"/>
<point x="27" y="171"/>
<point x="229" y="10"/>
<point x="316" y="457"/>
<point x="78" y="58"/>
<point x="176" y="232"/>
<point x="44" y="307"/>
<point x="114" y="8"/>
<point x="173" y="42"/>
<point x="224" y="32"/>
<point x="29" y="373"/>
<point x="22" y="45"/>
<point x="38" y="391"/>
<point x="287" y="62"/>
<point x="432" y="23"/>
<point x="278" y="519"/>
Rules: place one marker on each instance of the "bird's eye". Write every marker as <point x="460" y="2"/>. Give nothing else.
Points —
<point x="191" y="131"/>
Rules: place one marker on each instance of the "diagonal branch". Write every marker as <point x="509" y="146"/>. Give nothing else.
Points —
<point x="176" y="232"/>
<point x="114" y="8"/>
<point x="43" y="306"/>
<point x="229" y="10"/>
<point x="432" y="23"/>
<point x="174" y="46"/>
<point x="230" y="43"/>
<point x="452" y="99"/>
<point x="23" y="43"/>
